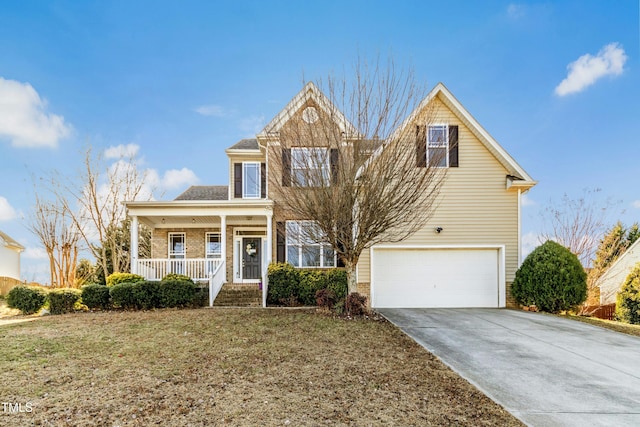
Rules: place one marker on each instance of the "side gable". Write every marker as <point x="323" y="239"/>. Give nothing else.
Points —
<point x="612" y="279"/>
<point x="8" y="242"/>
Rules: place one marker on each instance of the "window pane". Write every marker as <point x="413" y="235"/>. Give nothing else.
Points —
<point x="293" y="233"/>
<point x="251" y="180"/>
<point x="292" y="256"/>
<point x="437" y="157"/>
<point x="437" y="135"/>
<point x="329" y="256"/>
<point x="176" y="246"/>
<point x="311" y="256"/>
<point x="214" y="248"/>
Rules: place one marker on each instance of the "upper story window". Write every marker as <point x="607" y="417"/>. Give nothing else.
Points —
<point x="177" y="245"/>
<point x="310" y="167"/>
<point x="213" y="247"/>
<point x="437" y="146"/>
<point x="251" y="180"/>
<point x="304" y="248"/>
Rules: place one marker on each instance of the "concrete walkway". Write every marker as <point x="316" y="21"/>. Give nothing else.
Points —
<point x="545" y="370"/>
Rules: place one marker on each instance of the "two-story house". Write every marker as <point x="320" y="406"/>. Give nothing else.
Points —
<point x="465" y="256"/>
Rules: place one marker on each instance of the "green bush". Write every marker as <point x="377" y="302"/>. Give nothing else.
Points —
<point x="96" y="296"/>
<point x="116" y="278"/>
<point x="177" y="293"/>
<point x="551" y="278"/>
<point x="311" y="281"/>
<point x="201" y="297"/>
<point x="628" y="299"/>
<point x="27" y="299"/>
<point x="337" y="282"/>
<point x="172" y="277"/>
<point x="122" y="296"/>
<point x="283" y="282"/>
<point x="63" y="301"/>
<point x="146" y="294"/>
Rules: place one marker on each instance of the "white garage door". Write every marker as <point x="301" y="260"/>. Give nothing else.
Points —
<point x="463" y="277"/>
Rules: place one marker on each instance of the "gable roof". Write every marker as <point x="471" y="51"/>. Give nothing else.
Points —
<point x="309" y="92"/>
<point x="9" y="242"/>
<point x="205" y="192"/>
<point x="509" y="163"/>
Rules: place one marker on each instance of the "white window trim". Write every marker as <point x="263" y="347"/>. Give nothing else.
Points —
<point x="170" y="253"/>
<point x="322" y="247"/>
<point x="439" y="145"/>
<point x="244" y="180"/>
<point x="325" y="166"/>
<point x="206" y="245"/>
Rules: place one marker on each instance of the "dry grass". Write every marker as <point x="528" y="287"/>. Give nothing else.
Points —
<point x="624" y="328"/>
<point x="232" y="367"/>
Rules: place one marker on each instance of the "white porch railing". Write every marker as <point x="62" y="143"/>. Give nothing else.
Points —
<point x="198" y="269"/>
<point x="216" y="280"/>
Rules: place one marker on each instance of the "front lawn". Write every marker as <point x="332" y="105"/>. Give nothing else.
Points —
<point x="624" y="328"/>
<point x="228" y="366"/>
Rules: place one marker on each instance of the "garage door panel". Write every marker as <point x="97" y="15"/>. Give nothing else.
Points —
<point x="435" y="277"/>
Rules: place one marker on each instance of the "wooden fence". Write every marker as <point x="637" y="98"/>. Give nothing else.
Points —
<point x="606" y="312"/>
<point x="7" y="283"/>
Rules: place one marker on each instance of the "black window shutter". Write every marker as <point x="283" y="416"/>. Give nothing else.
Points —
<point x="281" y="243"/>
<point x="340" y="262"/>
<point x="453" y="146"/>
<point x="286" y="167"/>
<point x="263" y="180"/>
<point x="237" y="180"/>
<point x="421" y="146"/>
<point x="333" y="163"/>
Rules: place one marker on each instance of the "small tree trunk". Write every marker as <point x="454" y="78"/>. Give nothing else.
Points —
<point x="352" y="285"/>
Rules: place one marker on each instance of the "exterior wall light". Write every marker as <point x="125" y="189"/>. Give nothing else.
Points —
<point x="439" y="230"/>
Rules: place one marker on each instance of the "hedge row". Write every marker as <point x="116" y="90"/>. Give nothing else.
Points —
<point x="138" y="295"/>
<point x="291" y="286"/>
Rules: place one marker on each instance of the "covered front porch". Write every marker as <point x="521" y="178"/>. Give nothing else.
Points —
<point x="212" y="242"/>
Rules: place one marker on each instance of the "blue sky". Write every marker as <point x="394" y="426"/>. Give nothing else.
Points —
<point x="556" y="83"/>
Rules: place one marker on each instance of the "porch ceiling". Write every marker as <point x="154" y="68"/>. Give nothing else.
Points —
<point x="199" y="221"/>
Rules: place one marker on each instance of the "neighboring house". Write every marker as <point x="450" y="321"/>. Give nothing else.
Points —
<point x="9" y="257"/>
<point x="465" y="256"/>
<point x="613" y="278"/>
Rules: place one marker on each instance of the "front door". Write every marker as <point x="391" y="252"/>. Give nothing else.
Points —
<point x="251" y="258"/>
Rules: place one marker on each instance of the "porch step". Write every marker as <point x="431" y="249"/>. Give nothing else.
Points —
<point x="232" y="295"/>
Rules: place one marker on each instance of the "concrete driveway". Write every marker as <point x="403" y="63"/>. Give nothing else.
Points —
<point x="545" y="370"/>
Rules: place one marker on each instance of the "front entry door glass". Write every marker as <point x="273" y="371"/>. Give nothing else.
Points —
<point x="251" y="257"/>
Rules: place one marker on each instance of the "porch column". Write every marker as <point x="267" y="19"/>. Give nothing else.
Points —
<point x="223" y="244"/>
<point x="265" y="282"/>
<point x="134" y="244"/>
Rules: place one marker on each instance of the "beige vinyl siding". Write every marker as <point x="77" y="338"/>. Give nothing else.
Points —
<point x="474" y="207"/>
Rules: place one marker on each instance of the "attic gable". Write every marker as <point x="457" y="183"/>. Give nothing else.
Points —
<point x="310" y="94"/>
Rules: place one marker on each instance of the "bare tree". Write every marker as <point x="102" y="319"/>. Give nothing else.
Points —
<point x="53" y="224"/>
<point x="355" y="166"/>
<point x="94" y="201"/>
<point x="577" y="223"/>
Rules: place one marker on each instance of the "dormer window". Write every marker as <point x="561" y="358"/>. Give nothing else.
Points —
<point x="251" y="180"/>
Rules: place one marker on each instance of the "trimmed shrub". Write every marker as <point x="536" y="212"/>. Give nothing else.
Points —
<point x="628" y="299"/>
<point x="325" y="298"/>
<point x="27" y="299"/>
<point x="96" y="296"/>
<point x="201" y="297"/>
<point x="551" y="278"/>
<point x="337" y="282"/>
<point x="176" y="293"/>
<point x="310" y="282"/>
<point x="283" y="282"/>
<point x="116" y="278"/>
<point x="356" y="304"/>
<point x="146" y="294"/>
<point x="122" y="295"/>
<point x="172" y="277"/>
<point x="63" y="301"/>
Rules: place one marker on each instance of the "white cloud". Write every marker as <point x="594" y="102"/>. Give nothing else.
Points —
<point x="120" y="151"/>
<point x="211" y="110"/>
<point x="515" y="11"/>
<point x="35" y="253"/>
<point x="636" y="204"/>
<point x="529" y="242"/>
<point x="526" y="201"/>
<point x="6" y="210"/>
<point x="175" y="178"/>
<point x="24" y="118"/>
<point x="587" y="69"/>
